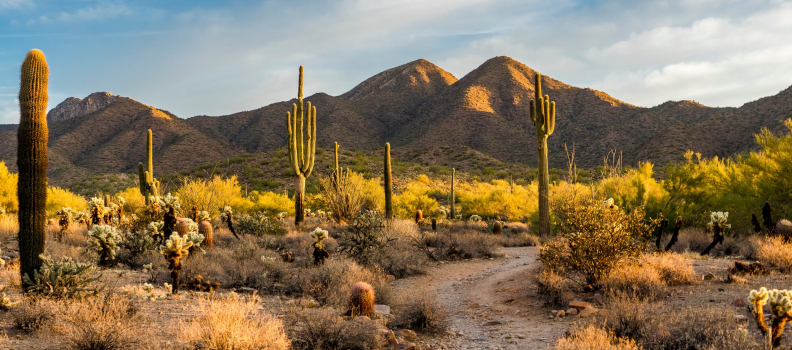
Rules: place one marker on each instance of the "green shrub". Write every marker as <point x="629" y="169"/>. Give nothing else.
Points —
<point x="64" y="278"/>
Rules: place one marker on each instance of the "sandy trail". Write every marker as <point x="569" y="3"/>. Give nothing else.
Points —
<point x="492" y="303"/>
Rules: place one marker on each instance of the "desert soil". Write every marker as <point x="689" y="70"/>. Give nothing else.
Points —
<point x="492" y="303"/>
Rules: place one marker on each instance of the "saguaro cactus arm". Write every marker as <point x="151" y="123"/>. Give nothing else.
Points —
<point x="301" y="155"/>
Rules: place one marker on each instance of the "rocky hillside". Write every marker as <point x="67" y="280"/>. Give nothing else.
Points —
<point x="416" y="106"/>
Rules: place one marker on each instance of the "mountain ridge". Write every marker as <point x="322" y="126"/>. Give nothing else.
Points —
<point x="414" y="106"/>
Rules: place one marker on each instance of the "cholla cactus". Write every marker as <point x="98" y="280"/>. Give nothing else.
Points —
<point x="147" y="287"/>
<point x="610" y="203"/>
<point x="105" y="240"/>
<point x="5" y="303"/>
<point x="319" y="254"/>
<point x="175" y="248"/>
<point x="780" y="307"/>
<point x="717" y="224"/>
<point x="228" y="217"/>
<point x="718" y="220"/>
<point x="65" y="218"/>
<point x="169" y="201"/>
<point x="282" y="215"/>
<point x="156" y="230"/>
<point x="204" y="216"/>
<point x="194" y="237"/>
<point x="318" y="236"/>
<point x="475" y="218"/>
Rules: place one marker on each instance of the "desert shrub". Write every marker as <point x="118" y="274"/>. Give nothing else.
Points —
<point x="233" y="323"/>
<point x="448" y="246"/>
<point x="8" y="189"/>
<point x="104" y="240"/>
<point x="34" y="314"/>
<point x="597" y="237"/>
<point x="59" y="197"/>
<point x="401" y="259"/>
<point x="212" y="194"/>
<point x="324" y="329"/>
<point x="343" y="197"/>
<point x="554" y="289"/>
<point x="420" y="311"/>
<point x="8" y="226"/>
<point x="64" y="278"/>
<point x="773" y="252"/>
<point x="135" y="243"/>
<point x="498" y="198"/>
<point x="639" y="280"/>
<point x="594" y="338"/>
<point x="696" y="239"/>
<point x="330" y="283"/>
<point x="365" y="237"/>
<point x="271" y="203"/>
<point x="414" y="196"/>
<point x="657" y="326"/>
<point x="518" y="239"/>
<point x="109" y="322"/>
<point x="258" y="224"/>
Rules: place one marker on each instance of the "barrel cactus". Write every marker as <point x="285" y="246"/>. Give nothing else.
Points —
<point x="361" y="299"/>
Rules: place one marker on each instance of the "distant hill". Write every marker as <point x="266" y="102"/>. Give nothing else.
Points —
<point x="416" y="107"/>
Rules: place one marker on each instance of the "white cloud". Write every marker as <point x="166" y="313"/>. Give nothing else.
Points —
<point x="102" y="11"/>
<point x="14" y="4"/>
<point x="9" y="111"/>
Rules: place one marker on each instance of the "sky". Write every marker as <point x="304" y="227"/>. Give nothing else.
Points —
<point x="219" y="57"/>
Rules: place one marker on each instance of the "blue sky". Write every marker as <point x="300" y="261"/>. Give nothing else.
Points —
<point x="219" y="57"/>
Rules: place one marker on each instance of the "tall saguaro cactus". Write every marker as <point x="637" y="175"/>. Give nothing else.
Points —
<point x="543" y="118"/>
<point x="32" y="161"/>
<point x="337" y="169"/>
<point x="453" y="199"/>
<point x="149" y="186"/>
<point x="388" y="184"/>
<point x="301" y="154"/>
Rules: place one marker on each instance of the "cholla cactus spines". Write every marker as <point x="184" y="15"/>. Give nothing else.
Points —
<point x="282" y="215"/>
<point x="475" y="218"/>
<point x="718" y="220"/>
<point x="780" y="308"/>
<point x="169" y="201"/>
<point x="65" y="218"/>
<point x="543" y="117"/>
<point x="318" y="236"/>
<point x="610" y="203"/>
<point x="149" y="186"/>
<point x="175" y="248"/>
<point x="105" y="240"/>
<point x="6" y="303"/>
<point x="301" y="153"/>
<point x="156" y="230"/>
<point x="361" y="299"/>
<point x="204" y="216"/>
<point x="32" y="161"/>
<point x="227" y="216"/>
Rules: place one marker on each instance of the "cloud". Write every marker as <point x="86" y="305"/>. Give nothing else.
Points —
<point x="9" y="110"/>
<point x="715" y="61"/>
<point x="102" y="11"/>
<point x="14" y="4"/>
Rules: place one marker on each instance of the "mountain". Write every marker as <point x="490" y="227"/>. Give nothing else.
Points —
<point x="417" y="107"/>
<point x="74" y="107"/>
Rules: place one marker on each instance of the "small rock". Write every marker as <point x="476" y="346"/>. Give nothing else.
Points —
<point x="597" y="298"/>
<point x="493" y="323"/>
<point x="390" y="338"/>
<point x="572" y="311"/>
<point x="561" y="313"/>
<point x="408" y="335"/>
<point x="589" y="311"/>
<point x="740" y="317"/>
<point x="580" y="305"/>
<point x="710" y="277"/>
<point x="739" y="302"/>
<point x="247" y="290"/>
<point x="382" y="309"/>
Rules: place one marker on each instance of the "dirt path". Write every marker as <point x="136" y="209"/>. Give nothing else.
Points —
<point x="492" y="303"/>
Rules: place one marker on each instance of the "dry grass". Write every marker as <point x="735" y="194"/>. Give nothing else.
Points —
<point x="34" y="314"/>
<point x="107" y="322"/>
<point x="233" y="323"/>
<point x="658" y="326"/>
<point x="773" y="252"/>
<point x="8" y="227"/>
<point x="674" y="269"/>
<point x="594" y="338"/>
<point x="325" y="329"/>
<point x="420" y="311"/>
<point x="330" y="283"/>
<point x="695" y="240"/>
<point x="554" y="289"/>
<point x="640" y="280"/>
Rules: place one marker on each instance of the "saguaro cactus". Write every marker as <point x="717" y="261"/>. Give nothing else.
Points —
<point x="543" y="118"/>
<point x="337" y="169"/>
<point x="149" y="186"/>
<point x="301" y="154"/>
<point x="388" y="184"/>
<point x="453" y="200"/>
<point x="32" y="161"/>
